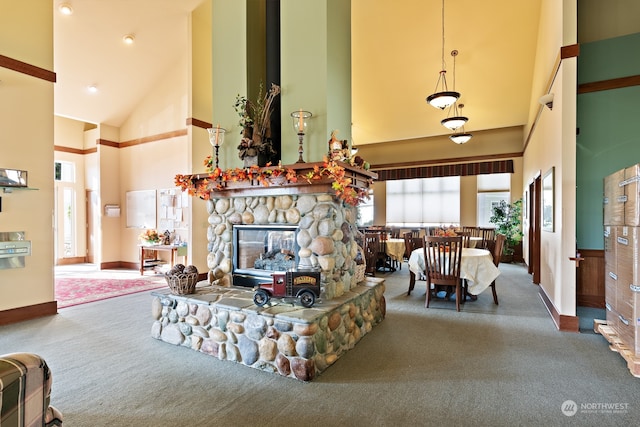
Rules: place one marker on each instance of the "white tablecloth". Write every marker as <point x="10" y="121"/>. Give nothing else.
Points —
<point x="476" y="266"/>
<point x="473" y="241"/>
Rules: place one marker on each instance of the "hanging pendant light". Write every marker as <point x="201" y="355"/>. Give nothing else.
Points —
<point x="454" y="119"/>
<point x="462" y="136"/>
<point x="442" y="96"/>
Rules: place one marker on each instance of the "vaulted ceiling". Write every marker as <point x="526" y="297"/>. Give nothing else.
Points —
<point x="396" y="58"/>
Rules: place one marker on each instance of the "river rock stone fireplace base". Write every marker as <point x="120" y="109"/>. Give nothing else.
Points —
<point x="282" y="338"/>
<point x="221" y="319"/>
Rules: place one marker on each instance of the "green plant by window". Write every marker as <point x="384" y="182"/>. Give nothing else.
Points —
<point x="507" y="219"/>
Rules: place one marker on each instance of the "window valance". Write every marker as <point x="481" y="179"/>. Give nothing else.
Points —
<point x="460" y="169"/>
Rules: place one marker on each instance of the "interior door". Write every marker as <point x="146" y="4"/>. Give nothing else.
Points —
<point x="535" y="225"/>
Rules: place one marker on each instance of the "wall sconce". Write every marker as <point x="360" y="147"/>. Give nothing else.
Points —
<point x="547" y="100"/>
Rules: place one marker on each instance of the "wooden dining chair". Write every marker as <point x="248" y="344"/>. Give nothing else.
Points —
<point x="473" y="231"/>
<point x="394" y="233"/>
<point x="488" y="234"/>
<point x="466" y="238"/>
<point x="408" y="244"/>
<point x="371" y="246"/>
<point x="495" y="247"/>
<point x="496" y="252"/>
<point x="383" y="260"/>
<point x="442" y="258"/>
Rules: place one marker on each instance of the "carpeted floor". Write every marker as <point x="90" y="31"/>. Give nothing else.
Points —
<point x="487" y="365"/>
<point x="75" y="290"/>
<point x="83" y="283"/>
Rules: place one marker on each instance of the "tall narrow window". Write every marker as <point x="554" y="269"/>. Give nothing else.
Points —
<point x="365" y="211"/>
<point x="492" y="189"/>
<point x="68" y="223"/>
<point x="65" y="171"/>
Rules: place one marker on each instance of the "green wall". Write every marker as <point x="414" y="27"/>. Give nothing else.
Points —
<point x="608" y="123"/>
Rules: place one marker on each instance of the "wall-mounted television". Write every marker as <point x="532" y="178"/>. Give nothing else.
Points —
<point x="13" y="178"/>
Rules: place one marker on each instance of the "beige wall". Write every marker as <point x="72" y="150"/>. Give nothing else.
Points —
<point x="552" y="144"/>
<point x="26" y="120"/>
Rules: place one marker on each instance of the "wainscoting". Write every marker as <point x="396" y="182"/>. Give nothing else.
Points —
<point x="590" y="279"/>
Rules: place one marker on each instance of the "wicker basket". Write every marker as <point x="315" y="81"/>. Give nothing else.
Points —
<point x="360" y="269"/>
<point x="182" y="283"/>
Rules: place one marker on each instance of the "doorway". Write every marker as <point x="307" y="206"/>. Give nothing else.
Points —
<point x="534" y="202"/>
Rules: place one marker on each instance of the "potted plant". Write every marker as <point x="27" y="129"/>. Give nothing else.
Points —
<point x="507" y="219"/>
<point x="256" y="146"/>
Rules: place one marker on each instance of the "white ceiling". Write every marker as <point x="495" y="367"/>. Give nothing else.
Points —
<point x="396" y="51"/>
<point x="89" y="50"/>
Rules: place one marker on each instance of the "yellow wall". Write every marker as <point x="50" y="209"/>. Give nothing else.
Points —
<point x="26" y="120"/>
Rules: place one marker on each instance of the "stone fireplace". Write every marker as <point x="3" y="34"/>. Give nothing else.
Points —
<point x="256" y="229"/>
<point x="260" y="250"/>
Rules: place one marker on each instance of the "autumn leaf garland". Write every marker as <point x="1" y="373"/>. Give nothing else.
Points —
<point x="341" y="184"/>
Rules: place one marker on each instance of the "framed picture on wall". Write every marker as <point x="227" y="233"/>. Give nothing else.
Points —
<point x="548" y="194"/>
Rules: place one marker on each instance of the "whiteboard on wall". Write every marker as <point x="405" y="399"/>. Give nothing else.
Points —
<point x="141" y="209"/>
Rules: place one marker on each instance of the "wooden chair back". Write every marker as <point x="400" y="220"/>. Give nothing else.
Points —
<point x="473" y="231"/>
<point x="466" y="238"/>
<point x="408" y="244"/>
<point x="488" y="234"/>
<point x="498" y="247"/>
<point x="371" y="247"/>
<point x="443" y="257"/>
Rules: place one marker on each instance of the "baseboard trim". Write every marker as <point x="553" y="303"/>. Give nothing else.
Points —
<point x="119" y="264"/>
<point x="130" y="265"/>
<point x="563" y="322"/>
<point x="29" y="312"/>
<point x="69" y="261"/>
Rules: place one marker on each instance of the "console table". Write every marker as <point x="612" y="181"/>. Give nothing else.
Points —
<point x="174" y="251"/>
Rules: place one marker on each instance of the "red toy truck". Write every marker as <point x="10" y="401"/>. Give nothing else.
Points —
<point x="304" y="285"/>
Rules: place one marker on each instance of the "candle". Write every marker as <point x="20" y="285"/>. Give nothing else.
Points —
<point x="300" y="122"/>
<point x="217" y="133"/>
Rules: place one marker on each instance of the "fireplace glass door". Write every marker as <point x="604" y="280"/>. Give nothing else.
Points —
<point x="260" y="250"/>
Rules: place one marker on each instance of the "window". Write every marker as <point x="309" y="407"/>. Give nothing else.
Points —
<point x="365" y="212"/>
<point x="492" y="188"/>
<point x="423" y="201"/>
<point x="65" y="171"/>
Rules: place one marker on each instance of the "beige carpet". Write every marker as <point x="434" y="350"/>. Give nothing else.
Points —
<point x="488" y="365"/>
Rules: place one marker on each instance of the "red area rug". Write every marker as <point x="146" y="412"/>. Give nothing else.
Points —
<point x="79" y="290"/>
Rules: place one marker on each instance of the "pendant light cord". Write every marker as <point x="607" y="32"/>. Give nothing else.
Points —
<point x="443" y="64"/>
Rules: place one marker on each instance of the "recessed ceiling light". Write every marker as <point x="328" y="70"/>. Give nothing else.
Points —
<point x="65" y="9"/>
<point x="128" y="39"/>
<point x="92" y="88"/>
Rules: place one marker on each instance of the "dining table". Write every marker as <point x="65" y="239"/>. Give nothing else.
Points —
<point x="476" y="266"/>
<point x="395" y="249"/>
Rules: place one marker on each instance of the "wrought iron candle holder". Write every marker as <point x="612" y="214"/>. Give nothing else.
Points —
<point x="216" y="138"/>
<point x="299" y="121"/>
